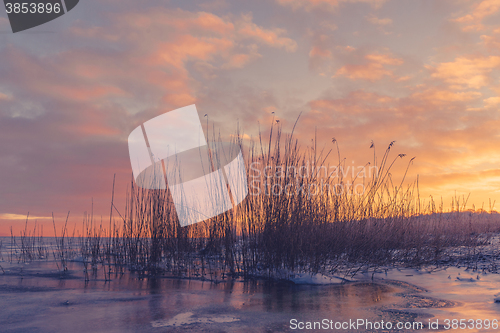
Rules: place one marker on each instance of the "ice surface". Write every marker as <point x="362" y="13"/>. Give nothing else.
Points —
<point x="475" y="293"/>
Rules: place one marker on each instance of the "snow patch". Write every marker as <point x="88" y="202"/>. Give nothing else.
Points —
<point x="315" y="279"/>
<point x="188" y="319"/>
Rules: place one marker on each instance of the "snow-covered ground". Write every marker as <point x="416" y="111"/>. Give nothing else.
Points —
<point x="315" y="279"/>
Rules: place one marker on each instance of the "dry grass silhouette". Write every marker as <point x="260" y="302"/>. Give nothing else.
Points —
<point x="275" y="233"/>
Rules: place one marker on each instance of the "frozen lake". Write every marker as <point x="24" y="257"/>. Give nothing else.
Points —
<point x="34" y="298"/>
<point x="42" y="302"/>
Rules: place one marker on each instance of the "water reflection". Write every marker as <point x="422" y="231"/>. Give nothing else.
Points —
<point x="130" y="302"/>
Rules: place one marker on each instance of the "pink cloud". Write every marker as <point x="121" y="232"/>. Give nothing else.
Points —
<point x="270" y="37"/>
<point x="372" y="69"/>
<point x="328" y="4"/>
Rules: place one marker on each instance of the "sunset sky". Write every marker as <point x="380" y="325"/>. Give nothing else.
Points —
<point x="424" y="73"/>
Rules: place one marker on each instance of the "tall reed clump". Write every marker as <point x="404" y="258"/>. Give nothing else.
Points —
<point x="304" y="217"/>
<point x="314" y="220"/>
<point x="304" y="213"/>
<point x="299" y="216"/>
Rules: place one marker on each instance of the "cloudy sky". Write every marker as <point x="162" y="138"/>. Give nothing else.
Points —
<point x="424" y="73"/>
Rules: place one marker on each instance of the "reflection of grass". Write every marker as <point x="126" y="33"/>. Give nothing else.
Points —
<point x="296" y="231"/>
<point x="32" y="244"/>
<point x="64" y="246"/>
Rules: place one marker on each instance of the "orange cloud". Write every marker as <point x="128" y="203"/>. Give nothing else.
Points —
<point x="467" y="72"/>
<point x="22" y="217"/>
<point x="372" y="70"/>
<point x="473" y="21"/>
<point x="321" y="51"/>
<point x="317" y="51"/>
<point x="329" y="4"/>
<point x="209" y="22"/>
<point x="181" y="20"/>
<point x="439" y="96"/>
<point x="238" y="60"/>
<point x="381" y="22"/>
<point x="491" y="42"/>
<point x="470" y="180"/>
<point x="270" y="37"/>
<point x="187" y="47"/>
<point x="5" y="97"/>
<point x="491" y="101"/>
